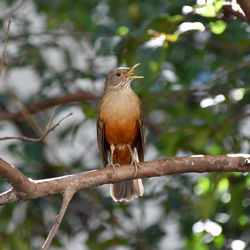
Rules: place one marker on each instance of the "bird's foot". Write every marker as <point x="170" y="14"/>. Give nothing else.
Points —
<point x="114" y="165"/>
<point x="134" y="159"/>
<point x="136" y="165"/>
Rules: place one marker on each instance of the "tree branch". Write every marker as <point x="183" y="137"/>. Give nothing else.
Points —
<point x="177" y="165"/>
<point x="229" y="7"/>
<point x="47" y="130"/>
<point x="20" y="183"/>
<point x="79" y="96"/>
<point x="245" y="6"/>
<point x="67" y="196"/>
<point x="4" y="47"/>
<point x="26" y="189"/>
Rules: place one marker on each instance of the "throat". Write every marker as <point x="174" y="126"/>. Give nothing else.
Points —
<point x="120" y="105"/>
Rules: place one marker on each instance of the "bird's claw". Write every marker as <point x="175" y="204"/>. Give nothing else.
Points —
<point x="136" y="165"/>
<point x="114" y="165"/>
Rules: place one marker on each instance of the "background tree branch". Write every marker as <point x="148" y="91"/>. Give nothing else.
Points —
<point x="228" y="7"/>
<point x="79" y="96"/>
<point x="245" y="6"/>
<point x="48" y="129"/>
<point x="4" y="47"/>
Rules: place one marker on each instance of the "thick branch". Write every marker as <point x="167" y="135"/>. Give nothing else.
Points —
<point x="20" y="183"/>
<point x="229" y="7"/>
<point x="178" y="165"/>
<point x="245" y="6"/>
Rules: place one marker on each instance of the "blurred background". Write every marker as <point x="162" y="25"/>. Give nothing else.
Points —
<point x="195" y="58"/>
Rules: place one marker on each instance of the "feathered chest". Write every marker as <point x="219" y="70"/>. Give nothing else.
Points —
<point x="120" y="112"/>
<point x="120" y="105"/>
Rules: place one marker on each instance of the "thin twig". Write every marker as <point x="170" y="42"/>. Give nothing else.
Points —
<point x="25" y="113"/>
<point x="4" y="46"/>
<point x="219" y="75"/>
<point x="48" y="130"/>
<point x="67" y="196"/>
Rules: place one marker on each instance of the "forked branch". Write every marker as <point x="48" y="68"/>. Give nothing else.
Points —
<point x="177" y="165"/>
<point x="26" y="189"/>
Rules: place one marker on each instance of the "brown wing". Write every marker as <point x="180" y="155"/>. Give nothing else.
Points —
<point x="102" y="144"/>
<point x="141" y="140"/>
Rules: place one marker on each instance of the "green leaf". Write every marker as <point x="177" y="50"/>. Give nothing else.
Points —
<point x="203" y="185"/>
<point x="223" y="185"/>
<point x="214" y="149"/>
<point x="248" y="181"/>
<point x="243" y="220"/>
<point x="218" y="5"/>
<point x="207" y="10"/>
<point x="219" y="241"/>
<point x="237" y="194"/>
<point x="165" y="23"/>
<point x="217" y="27"/>
<point x="122" y="30"/>
<point x="89" y="110"/>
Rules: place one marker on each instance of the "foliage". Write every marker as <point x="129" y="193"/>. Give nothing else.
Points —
<point x="195" y="99"/>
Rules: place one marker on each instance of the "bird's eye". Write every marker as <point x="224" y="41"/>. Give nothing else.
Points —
<point x="118" y="74"/>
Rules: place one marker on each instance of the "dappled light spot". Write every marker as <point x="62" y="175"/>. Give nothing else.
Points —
<point x="226" y="197"/>
<point x="188" y="26"/>
<point x="222" y="217"/>
<point x="237" y="94"/>
<point x="198" y="227"/>
<point x="213" y="228"/>
<point x="238" y="245"/>
<point x="207" y="102"/>
<point x="186" y="9"/>
<point x="154" y="43"/>
<point x="209" y="226"/>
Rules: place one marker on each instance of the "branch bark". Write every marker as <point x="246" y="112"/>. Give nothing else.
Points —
<point x="20" y="183"/>
<point x="245" y="6"/>
<point x="228" y="7"/>
<point x="25" y="188"/>
<point x="67" y="196"/>
<point x="46" y="132"/>
<point x="79" y="96"/>
<point x="4" y="47"/>
<point x="58" y="185"/>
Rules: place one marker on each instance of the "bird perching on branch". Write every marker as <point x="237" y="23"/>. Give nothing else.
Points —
<point x="120" y="130"/>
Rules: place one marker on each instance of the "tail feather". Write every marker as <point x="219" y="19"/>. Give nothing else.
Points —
<point x="126" y="190"/>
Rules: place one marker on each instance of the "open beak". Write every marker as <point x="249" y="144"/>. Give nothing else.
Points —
<point x="129" y="74"/>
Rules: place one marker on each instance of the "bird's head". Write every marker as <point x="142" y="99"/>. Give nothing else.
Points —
<point x="121" y="78"/>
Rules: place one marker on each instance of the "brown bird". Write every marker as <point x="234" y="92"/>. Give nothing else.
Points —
<point x="120" y="130"/>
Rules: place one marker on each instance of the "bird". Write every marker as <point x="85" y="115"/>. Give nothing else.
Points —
<point x="120" y="130"/>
